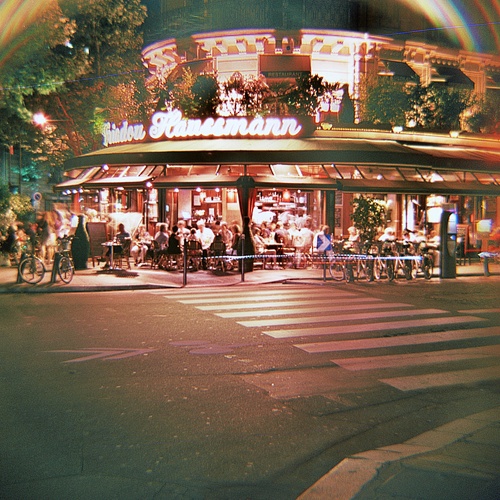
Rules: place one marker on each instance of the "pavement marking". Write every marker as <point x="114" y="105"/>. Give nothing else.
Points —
<point x="207" y="299"/>
<point x="480" y="311"/>
<point x="106" y="353"/>
<point x="428" y="381"/>
<point x="290" y="303"/>
<point x="372" y="327"/>
<point x="310" y="309"/>
<point x="336" y="318"/>
<point x="400" y="340"/>
<point x="417" y="359"/>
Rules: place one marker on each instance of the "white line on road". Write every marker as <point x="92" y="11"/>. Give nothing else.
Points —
<point x="417" y="359"/>
<point x="194" y="298"/>
<point x="340" y="317"/>
<point x="371" y="327"/>
<point x="400" y="340"/>
<point x="412" y="383"/>
<point x="480" y="311"/>
<point x="289" y="303"/>
<point x="272" y="311"/>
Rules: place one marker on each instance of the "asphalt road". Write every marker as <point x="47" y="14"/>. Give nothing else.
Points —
<point x="237" y="392"/>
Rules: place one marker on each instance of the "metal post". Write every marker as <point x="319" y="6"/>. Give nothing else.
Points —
<point x="242" y="242"/>
<point x="185" y="266"/>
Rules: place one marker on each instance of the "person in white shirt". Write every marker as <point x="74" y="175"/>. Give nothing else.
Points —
<point x="206" y="236"/>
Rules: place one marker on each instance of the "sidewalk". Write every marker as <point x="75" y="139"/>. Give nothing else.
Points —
<point x="456" y="461"/>
<point x="95" y="279"/>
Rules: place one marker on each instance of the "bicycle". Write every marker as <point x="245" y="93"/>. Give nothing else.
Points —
<point x="63" y="261"/>
<point x="426" y="262"/>
<point x="31" y="268"/>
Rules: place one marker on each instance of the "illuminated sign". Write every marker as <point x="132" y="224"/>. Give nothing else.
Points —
<point x="172" y="125"/>
<point x="111" y="134"/>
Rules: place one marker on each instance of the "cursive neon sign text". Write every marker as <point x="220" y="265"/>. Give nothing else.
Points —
<point x="111" y="134"/>
<point x="172" y="125"/>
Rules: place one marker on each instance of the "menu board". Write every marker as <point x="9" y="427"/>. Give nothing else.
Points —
<point x="97" y="235"/>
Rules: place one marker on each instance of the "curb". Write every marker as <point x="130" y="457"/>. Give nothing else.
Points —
<point x="359" y="473"/>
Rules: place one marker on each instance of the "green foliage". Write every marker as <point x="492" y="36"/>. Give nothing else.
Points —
<point x="82" y="67"/>
<point x="245" y="97"/>
<point x="485" y="115"/>
<point x="206" y="95"/>
<point x="14" y="208"/>
<point x="386" y="102"/>
<point x="368" y="216"/>
<point x="302" y="99"/>
<point x="438" y="107"/>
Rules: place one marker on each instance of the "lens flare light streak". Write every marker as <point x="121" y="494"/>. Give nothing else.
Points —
<point x="16" y="17"/>
<point x="463" y="20"/>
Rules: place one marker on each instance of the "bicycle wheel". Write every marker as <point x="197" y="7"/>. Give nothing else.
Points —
<point x="31" y="270"/>
<point x="337" y="271"/>
<point x="65" y="269"/>
<point x="427" y="267"/>
<point x="390" y="270"/>
<point x="370" y="269"/>
<point x="407" y="265"/>
<point x="349" y="272"/>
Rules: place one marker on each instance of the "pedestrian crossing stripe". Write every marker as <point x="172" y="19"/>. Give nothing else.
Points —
<point x="338" y="318"/>
<point x="207" y="299"/>
<point x="274" y="311"/>
<point x="445" y="379"/>
<point x="418" y="358"/>
<point x="372" y="327"/>
<point x="400" y="340"/>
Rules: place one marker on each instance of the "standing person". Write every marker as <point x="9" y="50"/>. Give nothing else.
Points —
<point x="324" y="241"/>
<point x="227" y="235"/>
<point x="206" y="236"/>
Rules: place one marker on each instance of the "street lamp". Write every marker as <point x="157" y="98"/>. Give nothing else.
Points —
<point x="40" y="119"/>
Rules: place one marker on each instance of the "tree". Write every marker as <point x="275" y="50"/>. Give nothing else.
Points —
<point x="245" y="97"/>
<point x="303" y="98"/>
<point x="206" y="95"/>
<point x="82" y="68"/>
<point x="438" y="107"/>
<point x="368" y="216"/>
<point x="386" y="102"/>
<point x="485" y="115"/>
<point x="14" y="208"/>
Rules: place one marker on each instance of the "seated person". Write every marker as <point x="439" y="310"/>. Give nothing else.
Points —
<point x="161" y="237"/>
<point x="261" y="248"/>
<point x="121" y="244"/>
<point x="141" y="244"/>
<point x="174" y="245"/>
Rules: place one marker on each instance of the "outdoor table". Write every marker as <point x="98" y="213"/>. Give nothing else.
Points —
<point x="112" y="245"/>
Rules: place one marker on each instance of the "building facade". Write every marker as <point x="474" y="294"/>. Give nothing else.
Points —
<point x="315" y="177"/>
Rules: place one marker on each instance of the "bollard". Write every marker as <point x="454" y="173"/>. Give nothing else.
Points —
<point x="242" y="257"/>
<point x="486" y="262"/>
<point x="184" y="267"/>
<point x="486" y="269"/>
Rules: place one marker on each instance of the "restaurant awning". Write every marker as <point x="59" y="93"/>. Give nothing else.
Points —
<point x="80" y="179"/>
<point x="131" y="182"/>
<point x="398" y="70"/>
<point x="451" y="76"/>
<point x="321" y="149"/>
<point x="213" y="181"/>
<point x="315" y="162"/>
<point x="400" y="187"/>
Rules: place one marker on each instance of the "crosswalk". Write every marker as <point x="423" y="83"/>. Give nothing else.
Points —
<point x="390" y="339"/>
